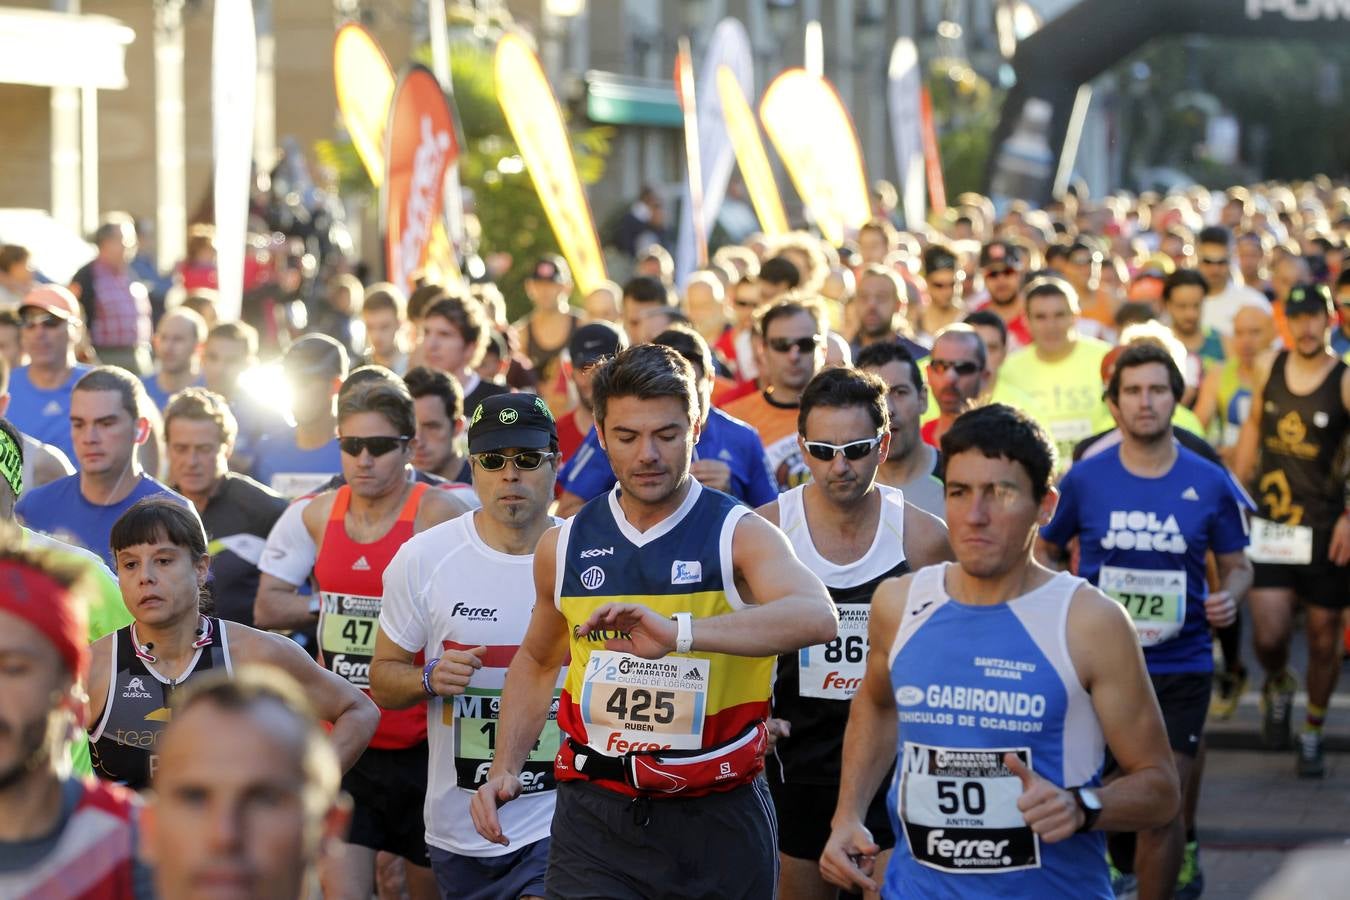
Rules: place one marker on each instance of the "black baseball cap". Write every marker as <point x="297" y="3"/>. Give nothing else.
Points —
<point x="1000" y="254"/>
<point x="1306" y="299"/>
<point x="594" y="342"/>
<point x="512" y="420"/>
<point x="551" y="268"/>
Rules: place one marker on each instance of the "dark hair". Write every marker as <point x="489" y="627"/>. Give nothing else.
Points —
<point x="1001" y="431"/>
<point x="387" y="396"/>
<point x="12" y="255"/>
<point x="897" y="283"/>
<point x="647" y="371"/>
<point x="1182" y="278"/>
<point x="645" y="289"/>
<point x="119" y="381"/>
<point x="204" y="406"/>
<point x="1134" y="312"/>
<point x="938" y="257"/>
<point x="317" y="355"/>
<point x="384" y="296"/>
<point x="10" y="318"/>
<point x="362" y="374"/>
<point x="466" y="316"/>
<point x="874" y="356"/>
<point x="987" y="318"/>
<point x="788" y="306"/>
<point x="1050" y="286"/>
<point x="1142" y="353"/>
<point x="780" y="270"/>
<point x="423" y="381"/>
<point x="842" y="387"/>
<point x="422" y="298"/>
<point x="1056" y="251"/>
<point x="1214" y="234"/>
<point x="159" y="518"/>
<point x="968" y="332"/>
<point x="241" y="332"/>
<point x="690" y="344"/>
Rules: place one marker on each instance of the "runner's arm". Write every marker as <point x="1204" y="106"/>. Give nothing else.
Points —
<point x="1235" y="573"/>
<point x="1105" y="652"/>
<point x="280" y="605"/>
<point x="869" y="745"/>
<point x="926" y="542"/>
<point x="353" y="715"/>
<point x="568" y="504"/>
<point x="96" y="684"/>
<point x="1248" y="451"/>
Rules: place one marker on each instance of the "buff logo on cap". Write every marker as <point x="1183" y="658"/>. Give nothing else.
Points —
<point x="507" y="416"/>
<point x="11" y="464"/>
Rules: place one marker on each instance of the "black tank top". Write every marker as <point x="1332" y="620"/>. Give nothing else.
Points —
<point x="123" y="746"/>
<point x="1301" y="437"/>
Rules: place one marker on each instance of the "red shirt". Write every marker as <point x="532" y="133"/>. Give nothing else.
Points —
<point x="569" y="435"/>
<point x="928" y="431"/>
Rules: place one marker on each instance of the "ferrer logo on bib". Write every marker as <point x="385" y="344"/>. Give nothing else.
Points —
<point x="684" y="572"/>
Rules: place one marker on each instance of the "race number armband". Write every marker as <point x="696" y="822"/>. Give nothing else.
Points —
<point x="958" y="807"/>
<point x="834" y="670"/>
<point x="629" y="703"/>
<point x="1154" y="598"/>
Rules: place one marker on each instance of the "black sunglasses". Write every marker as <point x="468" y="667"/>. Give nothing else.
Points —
<point x="378" y="446"/>
<point x="965" y="367"/>
<point x="1000" y="273"/>
<point x="1214" y="260"/>
<point x="44" y="321"/>
<point x="805" y="345"/>
<point x="854" y="450"/>
<point x="526" y="460"/>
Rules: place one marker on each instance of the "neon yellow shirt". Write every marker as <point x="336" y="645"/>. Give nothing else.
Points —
<point x="1064" y="396"/>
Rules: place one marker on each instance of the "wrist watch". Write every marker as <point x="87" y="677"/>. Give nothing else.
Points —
<point x="684" y="632"/>
<point x="1090" y="804"/>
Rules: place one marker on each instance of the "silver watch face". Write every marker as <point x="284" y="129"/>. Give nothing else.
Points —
<point x="1090" y="799"/>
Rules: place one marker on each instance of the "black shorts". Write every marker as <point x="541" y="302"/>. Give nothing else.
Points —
<point x="518" y="873"/>
<point x="1319" y="583"/>
<point x="805" y="811"/>
<point x="607" y="845"/>
<point x="388" y="789"/>
<point x="1184" y="700"/>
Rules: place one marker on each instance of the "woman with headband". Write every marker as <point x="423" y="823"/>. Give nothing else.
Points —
<point x="161" y="557"/>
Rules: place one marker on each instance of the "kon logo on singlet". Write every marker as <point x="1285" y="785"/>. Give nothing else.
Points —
<point x="1137" y="530"/>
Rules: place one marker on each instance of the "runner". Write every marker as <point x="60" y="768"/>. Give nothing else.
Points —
<point x="439" y="402"/>
<point x="162" y="561"/>
<point x="881" y="311"/>
<point x="107" y="418"/>
<point x="853" y="533"/>
<point x="943" y="280"/>
<point x="459" y="595"/>
<point x="791" y="339"/>
<point x="728" y="455"/>
<point x="908" y="464"/>
<point x="1301" y="540"/>
<point x="696" y="819"/>
<point x="52" y="328"/>
<point x="590" y="344"/>
<point x="296" y="461"/>
<point x="232" y="741"/>
<point x="454" y="336"/>
<point x="1001" y="269"/>
<point x="958" y="373"/>
<point x="63" y="836"/>
<point x="548" y="327"/>
<point x="1225" y="398"/>
<point x="1145" y="513"/>
<point x="1002" y="741"/>
<point x="357" y="529"/>
<point x="178" y="341"/>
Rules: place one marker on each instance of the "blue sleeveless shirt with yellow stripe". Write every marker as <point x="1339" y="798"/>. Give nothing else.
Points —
<point x="617" y="703"/>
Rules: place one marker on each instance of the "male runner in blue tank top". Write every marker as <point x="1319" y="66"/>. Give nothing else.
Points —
<point x="1001" y="684"/>
<point x="1145" y="513"/>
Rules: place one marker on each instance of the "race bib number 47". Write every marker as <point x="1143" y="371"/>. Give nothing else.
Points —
<point x="834" y="670"/>
<point x="347" y="628"/>
<point x="629" y="703"/>
<point x="959" y="810"/>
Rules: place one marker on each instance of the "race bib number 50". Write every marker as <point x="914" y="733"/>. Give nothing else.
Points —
<point x="629" y="703"/>
<point x="834" y="670"/>
<point x="959" y="810"/>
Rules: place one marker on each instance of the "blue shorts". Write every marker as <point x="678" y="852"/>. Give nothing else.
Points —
<point x="519" y="873"/>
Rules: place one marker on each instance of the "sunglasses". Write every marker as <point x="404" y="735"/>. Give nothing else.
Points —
<point x="965" y="367"/>
<point x="51" y="322"/>
<point x="853" y="450"/>
<point x="1000" y="273"/>
<point x="526" y="460"/>
<point x="1214" y="261"/>
<point x="805" y="345"/>
<point x="378" y="446"/>
<point x="942" y="285"/>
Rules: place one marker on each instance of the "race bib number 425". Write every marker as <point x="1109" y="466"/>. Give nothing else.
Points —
<point x="629" y="703"/>
<point x="959" y="810"/>
<point x="834" y="670"/>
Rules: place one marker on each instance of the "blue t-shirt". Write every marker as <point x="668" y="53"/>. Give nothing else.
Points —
<point x="44" y="415"/>
<point x="59" y="509"/>
<point x="158" y="394"/>
<point x="1143" y="542"/>
<point x="588" y="474"/>
<point x="290" y="471"/>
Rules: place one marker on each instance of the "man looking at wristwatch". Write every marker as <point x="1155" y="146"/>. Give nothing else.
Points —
<point x="1000" y="744"/>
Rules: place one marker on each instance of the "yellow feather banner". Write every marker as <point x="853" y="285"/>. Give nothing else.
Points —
<point x="536" y="123"/>
<point x="750" y="155"/>
<point x="814" y="136"/>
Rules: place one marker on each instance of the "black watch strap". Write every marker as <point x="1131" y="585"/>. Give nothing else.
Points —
<point x="1090" y="811"/>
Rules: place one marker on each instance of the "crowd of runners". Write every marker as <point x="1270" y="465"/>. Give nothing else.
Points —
<point x="912" y="568"/>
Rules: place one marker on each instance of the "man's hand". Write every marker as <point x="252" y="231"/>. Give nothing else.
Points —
<point x="483" y="808"/>
<point x="645" y="632"/>
<point x="1220" y="609"/>
<point x="453" y="673"/>
<point x="1339" y="553"/>
<point x="712" y="473"/>
<point x="849" y="858"/>
<point x="1052" y="812"/>
<point x="778" y="729"/>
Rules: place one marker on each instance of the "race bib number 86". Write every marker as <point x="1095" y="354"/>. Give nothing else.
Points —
<point x="834" y="670"/>
<point x="959" y="810"/>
